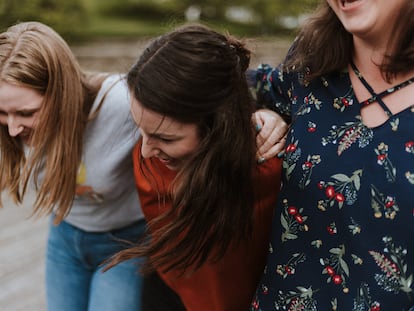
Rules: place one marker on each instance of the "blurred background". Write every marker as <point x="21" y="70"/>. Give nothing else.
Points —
<point x="86" y="19"/>
<point x="108" y="35"/>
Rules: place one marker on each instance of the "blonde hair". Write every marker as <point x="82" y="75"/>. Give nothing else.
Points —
<point x="35" y="56"/>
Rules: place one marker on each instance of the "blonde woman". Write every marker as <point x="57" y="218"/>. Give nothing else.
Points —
<point x="69" y="134"/>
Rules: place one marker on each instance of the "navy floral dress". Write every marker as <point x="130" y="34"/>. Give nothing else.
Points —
<point x="343" y="230"/>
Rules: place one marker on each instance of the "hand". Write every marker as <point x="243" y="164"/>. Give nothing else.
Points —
<point x="271" y="134"/>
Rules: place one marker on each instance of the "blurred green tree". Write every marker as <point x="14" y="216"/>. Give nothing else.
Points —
<point x="267" y="15"/>
<point x="66" y="17"/>
<point x="74" y="18"/>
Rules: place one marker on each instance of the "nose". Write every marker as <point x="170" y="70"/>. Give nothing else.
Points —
<point x="14" y="127"/>
<point x="148" y="147"/>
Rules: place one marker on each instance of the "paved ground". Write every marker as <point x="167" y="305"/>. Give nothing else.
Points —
<point x="120" y="55"/>
<point x="22" y="244"/>
<point x="22" y="239"/>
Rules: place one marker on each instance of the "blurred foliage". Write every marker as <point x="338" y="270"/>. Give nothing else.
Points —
<point x="77" y="19"/>
<point x="66" y="16"/>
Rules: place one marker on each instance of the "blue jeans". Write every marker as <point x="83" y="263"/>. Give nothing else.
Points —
<point x="74" y="277"/>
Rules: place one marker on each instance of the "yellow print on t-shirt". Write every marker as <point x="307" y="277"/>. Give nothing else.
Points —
<point x="85" y="191"/>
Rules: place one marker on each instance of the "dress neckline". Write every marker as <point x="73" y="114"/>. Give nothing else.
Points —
<point x="377" y="97"/>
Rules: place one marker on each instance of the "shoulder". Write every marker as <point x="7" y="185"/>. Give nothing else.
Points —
<point x="111" y="109"/>
<point x="113" y="94"/>
<point x="114" y="85"/>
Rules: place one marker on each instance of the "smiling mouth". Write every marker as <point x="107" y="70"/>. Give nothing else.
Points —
<point x="170" y="163"/>
<point x="165" y="160"/>
<point x="346" y="3"/>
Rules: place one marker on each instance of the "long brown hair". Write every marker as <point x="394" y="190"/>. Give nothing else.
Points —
<point x="196" y="75"/>
<point x="323" y="45"/>
<point x="35" y="56"/>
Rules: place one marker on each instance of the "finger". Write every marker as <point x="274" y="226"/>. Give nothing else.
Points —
<point x="267" y="142"/>
<point x="274" y="151"/>
<point x="265" y="132"/>
<point x="257" y="121"/>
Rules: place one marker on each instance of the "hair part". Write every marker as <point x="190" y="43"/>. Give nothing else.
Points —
<point x="196" y="75"/>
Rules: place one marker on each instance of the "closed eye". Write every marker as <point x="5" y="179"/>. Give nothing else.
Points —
<point x="166" y="140"/>
<point x="26" y="113"/>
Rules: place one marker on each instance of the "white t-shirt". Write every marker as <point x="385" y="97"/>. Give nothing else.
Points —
<point x="106" y="196"/>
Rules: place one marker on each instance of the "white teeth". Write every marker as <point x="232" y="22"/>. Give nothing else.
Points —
<point x="348" y="2"/>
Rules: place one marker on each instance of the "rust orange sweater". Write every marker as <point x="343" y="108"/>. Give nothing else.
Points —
<point x="229" y="284"/>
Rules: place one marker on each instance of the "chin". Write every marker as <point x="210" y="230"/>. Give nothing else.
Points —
<point x="173" y="167"/>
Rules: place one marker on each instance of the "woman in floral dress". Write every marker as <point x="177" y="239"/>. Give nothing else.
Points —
<point x="343" y="231"/>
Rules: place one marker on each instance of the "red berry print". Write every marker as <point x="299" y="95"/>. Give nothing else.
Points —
<point x="381" y="157"/>
<point x="409" y="144"/>
<point x="330" y="192"/>
<point x="299" y="218"/>
<point x="339" y="197"/>
<point x="389" y="204"/>
<point x="337" y="279"/>
<point x="288" y="270"/>
<point x="311" y="127"/>
<point x="331" y="229"/>
<point x="308" y="164"/>
<point x="330" y="270"/>
<point x="290" y="148"/>
<point x="375" y="307"/>
<point x="292" y="210"/>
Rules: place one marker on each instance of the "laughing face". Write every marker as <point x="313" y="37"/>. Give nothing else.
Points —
<point x="19" y="110"/>
<point x="168" y="140"/>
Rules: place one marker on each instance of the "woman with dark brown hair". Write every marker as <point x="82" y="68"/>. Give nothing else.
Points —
<point x="206" y="199"/>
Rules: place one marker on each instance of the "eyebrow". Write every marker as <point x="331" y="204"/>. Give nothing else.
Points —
<point x="162" y="135"/>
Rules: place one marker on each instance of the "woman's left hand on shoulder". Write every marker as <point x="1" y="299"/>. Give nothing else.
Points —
<point x="271" y="133"/>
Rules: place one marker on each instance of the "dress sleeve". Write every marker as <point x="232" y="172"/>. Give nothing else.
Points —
<point x="270" y="87"/>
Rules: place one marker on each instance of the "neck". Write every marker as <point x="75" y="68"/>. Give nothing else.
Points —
<point x="369" y="53"/>
<point x="368" y="58"/>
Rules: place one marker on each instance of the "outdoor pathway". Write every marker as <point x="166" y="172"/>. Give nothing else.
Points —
<point x="22" y="247"/>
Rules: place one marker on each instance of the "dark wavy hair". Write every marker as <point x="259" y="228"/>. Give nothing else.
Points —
<point x="197" y="75"/>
